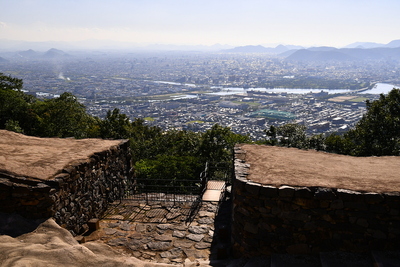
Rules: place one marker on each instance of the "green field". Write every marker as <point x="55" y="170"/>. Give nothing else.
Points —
<point x="273" y="114"/>
<point x="195" y="122"/>
<point x="358" y="99"/>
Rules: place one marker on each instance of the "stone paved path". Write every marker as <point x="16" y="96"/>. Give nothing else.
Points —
<point x="167" y="233"/>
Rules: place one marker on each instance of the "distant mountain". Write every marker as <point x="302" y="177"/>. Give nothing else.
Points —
<point x="394" y="43"/>
<point x="3" y="60"/>
<point x="109" y="45"/>
<point x="367" y="45"/>
<point x="322" y="48"/>
<point x="28" y="54"/>
<point x="364" y="45"/>
<point x="247" y="49"/>
<point x="261" y="49"/>
<point x="12" y="45"/>
<point x="344" y="54"/>
<point x="55" y="53"/>
<point x="318" y="55"/>
<point x="279" y="49"/>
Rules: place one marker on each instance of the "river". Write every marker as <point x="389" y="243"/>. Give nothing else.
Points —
<point x="380" y="88"/>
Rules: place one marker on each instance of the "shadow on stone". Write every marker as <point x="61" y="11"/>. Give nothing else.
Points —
<point x="221" y="245"/>
<point x="14" y="225"/>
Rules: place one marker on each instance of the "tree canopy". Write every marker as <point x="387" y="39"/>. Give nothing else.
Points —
<point x="378" y="131"/>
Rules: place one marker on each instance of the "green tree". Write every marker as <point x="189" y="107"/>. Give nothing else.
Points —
<point x="10" y="83"/>
<point x="145" y="140"/>
<point x="115" y="125"/>
<point x="12" y="125"/>
<point x="14" y="104"/>
<point x="339" y="144"/>
<point x="271" y="136"/>
<point x="218" y="142"/>
<point x="167" y="169"/>
<point x="288" y="135"/>
<point x="62" y="117"/>
<point x="317" y="142"/>
<point x="378" y="131"/>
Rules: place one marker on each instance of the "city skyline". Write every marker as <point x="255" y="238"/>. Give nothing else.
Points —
<point x="177" y="22"/>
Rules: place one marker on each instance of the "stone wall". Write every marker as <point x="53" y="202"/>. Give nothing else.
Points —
<point x="307" y="220"/>
<point x="80" y="192"/>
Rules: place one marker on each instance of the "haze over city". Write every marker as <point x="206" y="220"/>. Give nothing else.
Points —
<point x="207" y="22"/>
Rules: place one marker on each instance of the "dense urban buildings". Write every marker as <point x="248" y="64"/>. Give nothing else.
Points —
<point x="194" y="90"/>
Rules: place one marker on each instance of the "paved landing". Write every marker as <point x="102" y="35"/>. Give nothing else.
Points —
<point x="214" y="191"/>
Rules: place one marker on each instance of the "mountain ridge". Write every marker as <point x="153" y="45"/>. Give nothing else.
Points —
<point x="345" y="54"/>
<point x="13" y="45"/>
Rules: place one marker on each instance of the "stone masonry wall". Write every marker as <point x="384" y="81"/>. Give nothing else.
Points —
<point x="80" y="192"/>
<point x="307" y="220"/>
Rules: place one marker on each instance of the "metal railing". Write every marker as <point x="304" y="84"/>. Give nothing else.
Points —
<point x="172" y="190"/>
<point x="151" y="190"/>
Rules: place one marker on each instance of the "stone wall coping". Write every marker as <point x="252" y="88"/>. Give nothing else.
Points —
<point x="42" y="158"/>
<point x="242" y="170"/>
<point x="281" y="166"/>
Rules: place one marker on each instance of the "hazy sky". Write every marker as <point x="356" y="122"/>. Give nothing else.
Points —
<point x="207" y="22"/>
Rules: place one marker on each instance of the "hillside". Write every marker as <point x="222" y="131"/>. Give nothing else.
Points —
<point x="345" y="54"/>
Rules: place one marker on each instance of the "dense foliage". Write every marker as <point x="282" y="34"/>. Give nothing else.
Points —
<point x="377" y="133"/>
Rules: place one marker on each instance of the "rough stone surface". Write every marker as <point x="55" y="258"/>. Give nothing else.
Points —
<point x="42" y="158"/>
<point x="279" y="166"/>
<point x="177" y="241"/>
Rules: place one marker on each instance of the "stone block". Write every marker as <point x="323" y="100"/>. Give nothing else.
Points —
<point x="253" y="188"/>
<point x="348" y="195"/>
<point x="373" y="198"/>
<point x="376" y="208"/>
<point x="305" y="203"/>
<point x="251" y="228"/>
<point x="362" y="222"/>
<point x="295" y="216"/>
<point x="93" y="224"/>
<point x="267" y="191"/>
<point x="298" y="249"/>
<point x="286" y="191"/>
<point x="195" y="237"/>
<point x="199" y="229"/>
<point x="324" y="194"/>
<point x="337" y="204"/>
<point x="303" y="192"/>
<point x="361" y="206"/>
<point x="159" y="245"/>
